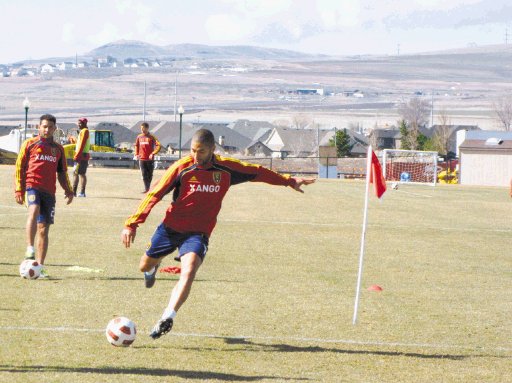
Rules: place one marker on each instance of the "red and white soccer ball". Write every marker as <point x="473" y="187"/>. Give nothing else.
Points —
<point x="121" y="332"/>
<point x="30" y="269"/>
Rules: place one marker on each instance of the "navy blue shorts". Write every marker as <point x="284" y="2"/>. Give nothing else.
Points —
<point x="165" y="240"/>
<point x="46" y="204"/>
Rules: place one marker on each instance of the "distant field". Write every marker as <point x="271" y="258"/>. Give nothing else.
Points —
<point x="460" y="87"/>
<point x="273" y="301"/>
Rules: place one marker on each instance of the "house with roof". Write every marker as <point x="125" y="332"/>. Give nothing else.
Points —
<point x="258" y="149"/>
<point x="227" y="139"/>
<point x="65" y="65"/>
<point x="286" y="142"/>
<point x="386" y="138"/>
<point x="47" y="68"/>
<point x="255" y="130"/>
<point x="168" y="133"/>
<point x="485" y="158"/>
<point x="450" y="131"/>
<point x="391" y="138"/>
<point x="358" y="141"/>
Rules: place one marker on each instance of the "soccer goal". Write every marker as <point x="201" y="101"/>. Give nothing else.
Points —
<point x="410" y="166"/>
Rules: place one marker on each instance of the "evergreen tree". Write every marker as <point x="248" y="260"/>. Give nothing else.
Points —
<point x="423" y="142"/>
<point x="342" y="143"/>
<point x="404" y="132"/>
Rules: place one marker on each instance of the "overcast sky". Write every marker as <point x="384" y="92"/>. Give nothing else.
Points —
<point x="54" y="28"/>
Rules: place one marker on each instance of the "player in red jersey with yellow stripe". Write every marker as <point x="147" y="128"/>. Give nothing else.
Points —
<point x="40" y="163"/>
<point x="199" y="182"/>
<point x="146" y="146"/>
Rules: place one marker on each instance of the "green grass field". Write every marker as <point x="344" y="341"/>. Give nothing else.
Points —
<point x="274" y="300"/>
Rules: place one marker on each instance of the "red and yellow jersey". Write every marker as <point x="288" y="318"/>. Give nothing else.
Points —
<point x="83" y="145"/>
<point x="37" y="165"/>
<point x="198" y="192"/>
<point x="145" y="145"/>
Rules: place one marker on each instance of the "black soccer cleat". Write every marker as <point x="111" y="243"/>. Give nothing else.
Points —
<point x="149" y="279"/>
<point x="162" y="327"/>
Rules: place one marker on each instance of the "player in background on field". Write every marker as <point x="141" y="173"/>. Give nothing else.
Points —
<point x="146" y="146"/>
<point x="199" y="183"/>
<point x="81" y="157"/>
<point x="40" y="163"/>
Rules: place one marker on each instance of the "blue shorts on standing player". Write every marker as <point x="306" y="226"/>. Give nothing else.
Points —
<point x="46" y="204"/>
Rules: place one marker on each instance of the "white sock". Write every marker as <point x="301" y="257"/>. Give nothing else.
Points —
<point x="150" y="271"/>
<point x="30" y="249"/>
<point x="169" y="313"/>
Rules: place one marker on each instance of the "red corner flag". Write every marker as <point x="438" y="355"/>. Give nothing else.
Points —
<point x="376" y="176"/>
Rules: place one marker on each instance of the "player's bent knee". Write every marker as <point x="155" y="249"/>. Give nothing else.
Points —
<point x="147" y="263"/>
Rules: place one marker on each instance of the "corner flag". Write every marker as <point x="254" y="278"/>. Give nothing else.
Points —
<point x="373" y="175"/>
<point x="376" y="176"/>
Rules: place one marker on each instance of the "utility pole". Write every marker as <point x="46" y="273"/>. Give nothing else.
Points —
<point x="175" y="96"/>
<point x="144" y="106"/>
<point x="432" y="110"/>
<point x="398" y="49"/>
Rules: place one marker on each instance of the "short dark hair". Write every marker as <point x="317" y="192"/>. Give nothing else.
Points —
<point x="204" y="136"/>
<point x="145" y="125"/>
<point x="48" y="117"/>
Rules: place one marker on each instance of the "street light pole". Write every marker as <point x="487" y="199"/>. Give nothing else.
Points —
<point x="26" y="105"/>
<point x="180" y="111"/>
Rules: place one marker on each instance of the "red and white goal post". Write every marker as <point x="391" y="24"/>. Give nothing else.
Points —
<point x="410" y="166"/>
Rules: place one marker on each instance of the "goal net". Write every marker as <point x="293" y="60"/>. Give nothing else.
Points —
<point x="410" y="166"/>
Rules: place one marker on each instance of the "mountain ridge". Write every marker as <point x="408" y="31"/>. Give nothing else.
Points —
<point x="123" y="49"/>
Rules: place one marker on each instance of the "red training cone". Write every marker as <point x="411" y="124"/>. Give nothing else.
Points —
<point x="171" y="270"/>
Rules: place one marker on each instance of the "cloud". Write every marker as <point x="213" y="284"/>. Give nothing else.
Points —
<point x="107" y="34"/>
<point x="68" y="32"/>
<point x="451" y="14"/>
<point x="260" y="8"/>
<point x="227" y="28"/>
<point x="338" y="14"/>
<point x="289" y="32"/>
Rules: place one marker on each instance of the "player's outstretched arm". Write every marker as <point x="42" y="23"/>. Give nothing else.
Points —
<point x="302" y="181"/>
<point x="128" y="236"/>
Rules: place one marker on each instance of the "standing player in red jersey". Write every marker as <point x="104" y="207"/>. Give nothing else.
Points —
<point x="146" y="146"/>
<point x="41" y="161"/>
<point x="199" y="183"/>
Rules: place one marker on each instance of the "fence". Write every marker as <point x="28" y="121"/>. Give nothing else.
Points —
<point x="346" y="167"/>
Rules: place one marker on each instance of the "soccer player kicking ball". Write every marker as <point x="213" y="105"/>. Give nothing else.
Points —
<point x="199" y="183"/>
<point x="41" y="161"/>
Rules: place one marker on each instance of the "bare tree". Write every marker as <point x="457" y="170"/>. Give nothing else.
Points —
<point x="503" y="109"/>
<point x="301" y="142"/>
<point x="282" y="123"/>
<point x="441" y="138"/>
<point x="372" y="137"/>
<point x="415" y="114"/>
<point x="302" y="121"/>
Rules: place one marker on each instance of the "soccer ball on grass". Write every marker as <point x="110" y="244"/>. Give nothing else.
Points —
<point x="30" y="269"/>
<point x="121" y="332"/>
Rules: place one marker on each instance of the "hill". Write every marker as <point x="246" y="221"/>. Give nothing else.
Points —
<point x="123" y="49"/>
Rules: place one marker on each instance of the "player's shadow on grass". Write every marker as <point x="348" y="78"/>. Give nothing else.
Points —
<point x="265" y="347"/>
<point x="49" y="264"/>
<point x="184" y="374"/>
<point x="119" y="197"/>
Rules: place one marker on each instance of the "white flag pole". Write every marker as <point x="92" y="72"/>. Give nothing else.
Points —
<point x="363" y="234"/>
